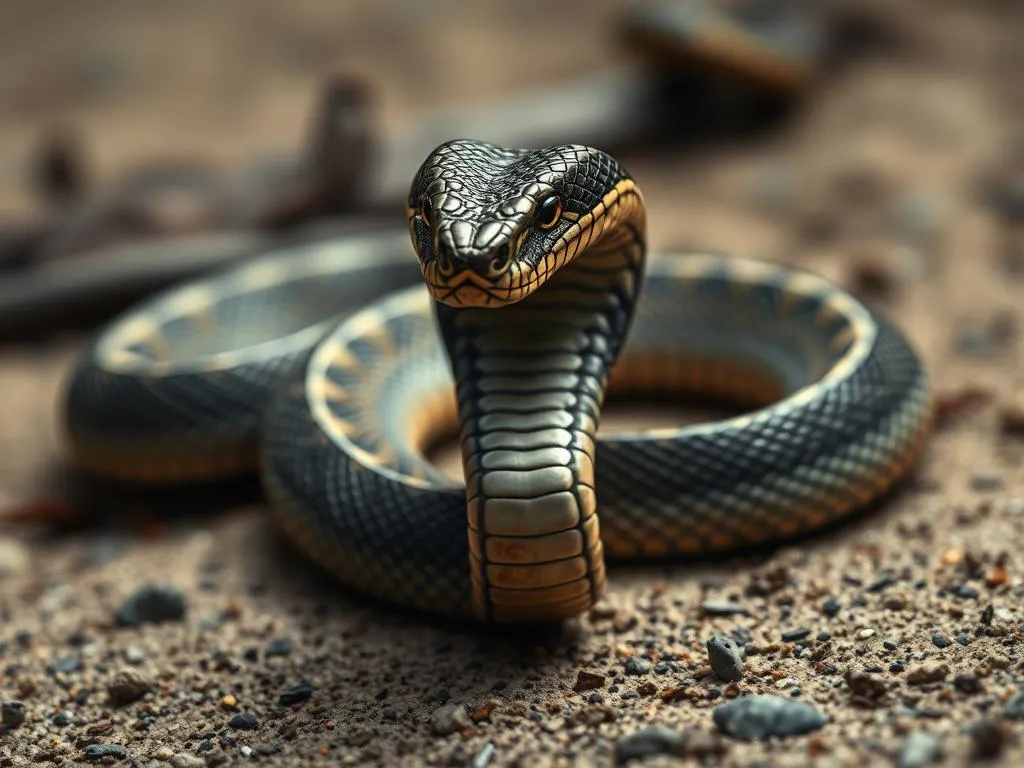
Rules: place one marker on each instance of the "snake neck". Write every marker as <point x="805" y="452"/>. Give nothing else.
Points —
<point x="530" y="382"/>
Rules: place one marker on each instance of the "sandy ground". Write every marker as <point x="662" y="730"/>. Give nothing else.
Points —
<point x="912" y="614"/>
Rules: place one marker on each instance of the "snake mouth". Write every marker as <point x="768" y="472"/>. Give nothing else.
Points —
<point x="468" y="288"/>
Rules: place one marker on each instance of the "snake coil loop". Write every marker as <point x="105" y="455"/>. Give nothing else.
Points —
<point x="334" y="369"/>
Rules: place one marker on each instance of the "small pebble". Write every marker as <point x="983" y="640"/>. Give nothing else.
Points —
<point x="104" y="751"/>
<point x="722" y="608"/>
<point x="65" y="665"/>
<point x="917" y="750"/>
<point x="939" y="641"/>
<point x="1014" y="707"/>
<point x="637" y="665"/>
<point x="726" y="658"/>
<point x="152" y="604"/>
<point x="658" y="739"/>
<point x="296" y="695"/>
<point x="881" y="583"/>
<point x="929" y="673"/>
<point x="864" y="634"/>
<point x="968" y="684"/>
<point x="588" y="681"/>
<point x="280" y="646"/>
<point x="987" y="739"/>
<point x="14" y="558"/>
<point x="185" y="760"/>
<point x="759" y="716"/>
<point x="244" y="722"/>
<point x="135" y="654"/>
<point x="126" y="687"/>
<point x="483" y="758"/>
<point x="794" y="635"/>
<point x="831" y="607"/>
<point x="866" y="686"/>
<point x="12" y="713"/>
<point x="449" y="719"/>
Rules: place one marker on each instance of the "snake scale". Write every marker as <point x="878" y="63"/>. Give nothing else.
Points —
<point x="333" y="367"/>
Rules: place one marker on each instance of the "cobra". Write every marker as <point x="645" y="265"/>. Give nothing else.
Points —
<point x="333" y="370"/>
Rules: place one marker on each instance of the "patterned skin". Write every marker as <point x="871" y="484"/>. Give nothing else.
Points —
<point x="534" y="264"/>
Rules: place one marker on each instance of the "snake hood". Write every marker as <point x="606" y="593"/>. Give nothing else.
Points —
<point x="491" y="224"/>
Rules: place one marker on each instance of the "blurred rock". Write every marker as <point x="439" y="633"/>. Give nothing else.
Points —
<point x="14" y="558"/>
<point x="58" y="169"/>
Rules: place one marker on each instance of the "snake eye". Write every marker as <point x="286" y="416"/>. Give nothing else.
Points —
<point x="548" y="212"/>
<point x="427" y="209"/>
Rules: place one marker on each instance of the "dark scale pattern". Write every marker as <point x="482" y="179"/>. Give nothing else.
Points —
<point x="160" y="424"/>
<point x="705" y="490"/>
<point x="480" y="198"/>
<point x="783" y="470"/>
<point x="157" y="420"/>
<point x="388" y="539"/>
<point x="778" y="470"/>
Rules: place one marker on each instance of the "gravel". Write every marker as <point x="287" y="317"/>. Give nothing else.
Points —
<point x="760" y="716"/>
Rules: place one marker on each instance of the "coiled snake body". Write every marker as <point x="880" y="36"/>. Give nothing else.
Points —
<point x="333" y="370"/>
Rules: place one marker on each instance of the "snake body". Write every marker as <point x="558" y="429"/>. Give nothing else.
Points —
<point x="333" y="369"/>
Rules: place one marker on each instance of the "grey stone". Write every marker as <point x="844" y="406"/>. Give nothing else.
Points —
<point x="152" y="604"/>
<point x="917" y="750"/>
<point x="12" y="713"/>
<point x="759" y="716"/>
<point x="449" y="719"/>
<point x="653" y="740"/>
<point x="726" y="658"/>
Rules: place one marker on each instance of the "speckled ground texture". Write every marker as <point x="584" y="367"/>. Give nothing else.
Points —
<point x="902" y="629"/>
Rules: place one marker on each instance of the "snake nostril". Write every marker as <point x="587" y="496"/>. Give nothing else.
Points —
<point x="499" y="263"/>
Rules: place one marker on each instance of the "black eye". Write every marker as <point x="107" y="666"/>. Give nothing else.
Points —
<point x="427" y="209"/>
<point x="547" y="212"/>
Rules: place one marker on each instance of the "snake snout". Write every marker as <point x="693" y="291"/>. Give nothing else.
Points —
<point x="488" y="263"/>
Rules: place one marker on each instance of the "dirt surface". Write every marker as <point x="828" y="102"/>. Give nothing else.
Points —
<point x="902" y="629"/>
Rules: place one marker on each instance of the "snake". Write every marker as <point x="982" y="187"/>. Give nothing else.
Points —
<point x="528" y="297"/>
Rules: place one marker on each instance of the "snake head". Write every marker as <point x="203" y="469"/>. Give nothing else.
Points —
<point x="490" y="224"/>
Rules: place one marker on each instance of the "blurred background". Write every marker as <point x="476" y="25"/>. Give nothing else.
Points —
<point x="876" y="143"/>
<point x="186" y="94"/>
